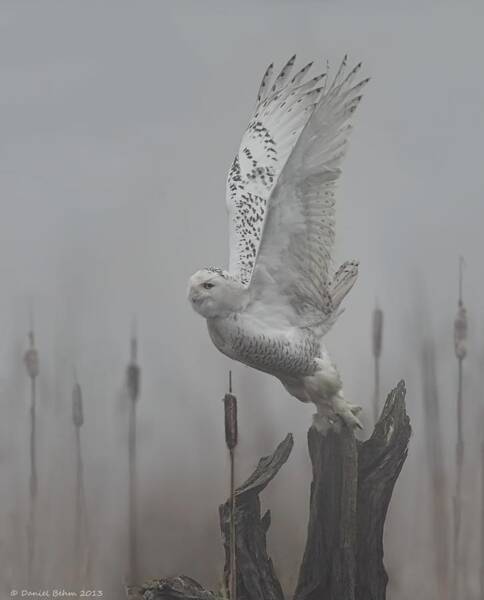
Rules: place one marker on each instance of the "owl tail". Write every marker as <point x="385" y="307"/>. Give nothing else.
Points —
<point x="344" y="279"/>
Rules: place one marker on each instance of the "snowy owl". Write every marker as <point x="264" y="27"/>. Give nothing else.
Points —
<point x="280" y="296"/>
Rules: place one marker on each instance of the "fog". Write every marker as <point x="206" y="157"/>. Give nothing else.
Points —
<point x="118" y="123"/>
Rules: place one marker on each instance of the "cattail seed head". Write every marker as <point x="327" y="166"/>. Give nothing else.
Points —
<point x="460" y="332"/>
<point x="377" y="332"/>
<point x="133" y="371"/>
<point x="133" y="376"/>
<point x="77" y="411"/>
<point x="31" y="358"/>
<point x="231" y="431"/>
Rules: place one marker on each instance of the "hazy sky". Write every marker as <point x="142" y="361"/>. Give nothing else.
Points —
<point x="118" y="122"/>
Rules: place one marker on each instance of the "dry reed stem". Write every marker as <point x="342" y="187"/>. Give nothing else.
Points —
<point x="460" y="347"/>
<point x="377" y="339"/>
<point x="133" y="377"/>
<point x="31" y="360"/>
<point x="231" y="439"/>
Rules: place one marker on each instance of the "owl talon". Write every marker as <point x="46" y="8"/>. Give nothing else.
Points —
<point x="348" y="412"/>
<point x="326" y="422"/>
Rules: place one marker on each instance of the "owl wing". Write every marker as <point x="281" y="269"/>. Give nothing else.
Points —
<point x="293" y="262"/>
<point x="283" y="109"/>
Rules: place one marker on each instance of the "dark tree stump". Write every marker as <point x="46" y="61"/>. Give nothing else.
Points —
<point x="170" y="588"/>
<point x="350" y="493"/>
<point x="380" y="460"/>
<point x="256" y="578"/>
<point x="351" y="489"/>
<point x="328" y="566"/>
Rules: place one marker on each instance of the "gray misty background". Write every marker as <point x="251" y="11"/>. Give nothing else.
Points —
<point x="118" y="123"/>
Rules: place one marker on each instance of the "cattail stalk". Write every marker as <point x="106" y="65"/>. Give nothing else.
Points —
<point x="83" y="570"/>
<point x="31" y="360"/>
<point x="433" y="438"/>
<point x="482" y="522"/>
<point x="377" y="339"/>
<point x="133" y="375"/>
<point x="460" y="346"/>
<point x="231" y="439"/>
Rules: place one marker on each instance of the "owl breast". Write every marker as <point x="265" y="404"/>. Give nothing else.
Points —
<point x="291" y="352"/>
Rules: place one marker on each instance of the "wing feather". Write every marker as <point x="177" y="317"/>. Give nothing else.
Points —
<point x="264" y="84"/>
<point x="282" y="111"/>
<point x="301" y="74"/>
<point x="294" y="255"/>
<point x="283" y="76"/>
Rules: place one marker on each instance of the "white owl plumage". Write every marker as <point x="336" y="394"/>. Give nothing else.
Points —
<point x="280" y="296"/>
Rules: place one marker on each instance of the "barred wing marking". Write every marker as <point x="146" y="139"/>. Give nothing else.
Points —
<point x="282" y="111"/>
<point x="298" y="235"/>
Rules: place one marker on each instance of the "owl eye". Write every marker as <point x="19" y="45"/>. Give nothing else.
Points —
<point x="208" y="286"/>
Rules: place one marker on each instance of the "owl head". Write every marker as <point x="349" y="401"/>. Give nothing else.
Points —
<point x="215" y="293"/>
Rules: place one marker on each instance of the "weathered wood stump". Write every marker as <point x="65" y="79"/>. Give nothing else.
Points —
<point x="350" y="493"/>
<point x="328" y="566"/>
<point x="170" y="588"/>
<point x="380" y="460"/>
<point x="256" y="578"/>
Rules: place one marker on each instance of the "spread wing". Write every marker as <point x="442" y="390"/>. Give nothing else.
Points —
<point x="293" y="263"/>
<point x="282" y="111"/>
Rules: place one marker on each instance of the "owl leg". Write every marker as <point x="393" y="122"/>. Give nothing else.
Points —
<point x="325" y="390"/>
<point x="348" y="412"/>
